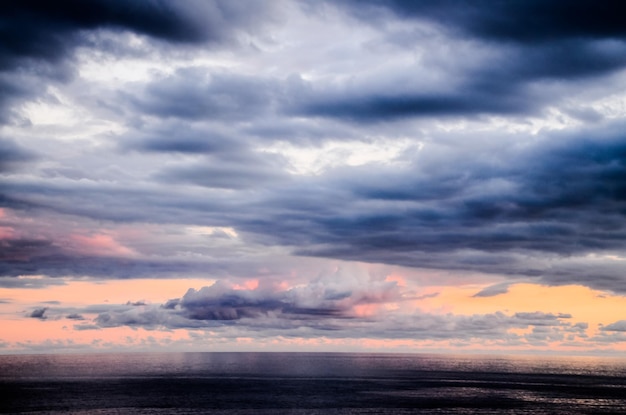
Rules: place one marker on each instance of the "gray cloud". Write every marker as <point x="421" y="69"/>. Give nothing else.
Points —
<point x="517" y="82"/>
<point x="314" y="304"/>
<point x="39" y="313"/>
<point x="522" y="22"/>
<point x="29" y="282"/>
<point x="493" y="290"/>
<point x="193" y="93"/>
<point x="327" y="307"/>
<point x="617" y="326"/>
<point x="535" y="210"/>
<point x="245" y="171"/>
<point x="190" y="145"/>
<point x="523" y="55"/>
<point x="561" y="197"/>
<point x="12" y="155"/>
<point x="41" y="30"/>
<point x="180" y="137"/>
<point x="40" y="37"/>
<point x="23" y="257"/>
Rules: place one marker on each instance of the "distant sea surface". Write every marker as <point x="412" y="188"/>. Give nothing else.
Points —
<point x="309" y="383"/>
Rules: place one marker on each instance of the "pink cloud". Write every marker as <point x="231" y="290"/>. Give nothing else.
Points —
<point x="100" y="244"/>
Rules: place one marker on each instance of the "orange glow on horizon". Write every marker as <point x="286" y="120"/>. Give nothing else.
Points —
<point x="584" y="304"/>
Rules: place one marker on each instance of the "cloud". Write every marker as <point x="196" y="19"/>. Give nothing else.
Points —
<point x="549" y="209"/>
<point x="245" y="171"/>
<point x="617" y="326"/>
<point x="21" y="258"/>
<point x="13" y="155"/>
<point x="493" y="290"/>
<point x="31" y="282"/>
<point x="35" y="29"/>
<point x="514" y="82"/>
<point x="516" y="21"/>
<point x="39" y="38"/>
<point x="511" y="214"/>
<point x="326" y="298"/>
<point x="514" y="64"/>
<point x="194" y="93"/>
<point x="83" y="327"/>
<point x="39" y="313"/>
<point x="136" y="303"/>
<point x="354" y="307"/>
<point x="180" y="137"/>
<point x="208" y="137"/>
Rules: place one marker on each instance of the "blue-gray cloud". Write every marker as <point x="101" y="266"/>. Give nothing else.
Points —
<point x="493" y="290"/>
<point x="617" y="326"/>
<point x="512" y="21"/>
<point x="35" y="29"/>
<point x="505" y="210"/>
<point x="193" y="145"/>
<point x="326" y="307"/>
<point x="39" y="313"/>
<point x="39" y="37"/>
<point x="192" y="93"/>
<point x="532" y="43"/>
<point x="12" y="155"/>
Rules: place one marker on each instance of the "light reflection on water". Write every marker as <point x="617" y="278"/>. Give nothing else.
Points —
<point x="295" y="364"/>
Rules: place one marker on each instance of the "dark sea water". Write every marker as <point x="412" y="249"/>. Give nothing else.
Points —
<point x="309" y="383"/>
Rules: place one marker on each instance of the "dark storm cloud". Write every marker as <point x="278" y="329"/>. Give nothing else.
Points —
<point x="227" y="161"/>
<point x="47" y="31"/>
<point x="181" y="138"/>
<point x="20" y="257"/>
<point x="22" y="250"/>
<point x="515" y="205"/>
<point x="563" y="196"/>
<point x="38" y="37"/>
<point x="506" y="84"/>
<point x="193" y="93"/>
<point x="117" y="203"/>
<point x="521" y="21"/>
<point x="12" y="155"/>
<point x="382" y="105"/>
<point x="530" y="43"/>
<point x="205" y="110"/>
<point x="535" y="210"/>
<point x="222" y="173"/>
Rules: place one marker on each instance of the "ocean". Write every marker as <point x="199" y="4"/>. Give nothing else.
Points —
<point x="309" y="383"/>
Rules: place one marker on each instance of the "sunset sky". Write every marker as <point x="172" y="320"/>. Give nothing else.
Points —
<point x="372" y="175"/>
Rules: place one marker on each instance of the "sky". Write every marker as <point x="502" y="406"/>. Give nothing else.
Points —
<point x="297" y="175"/>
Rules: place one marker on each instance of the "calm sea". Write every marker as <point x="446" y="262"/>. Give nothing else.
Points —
<point x="309" y="383"/>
